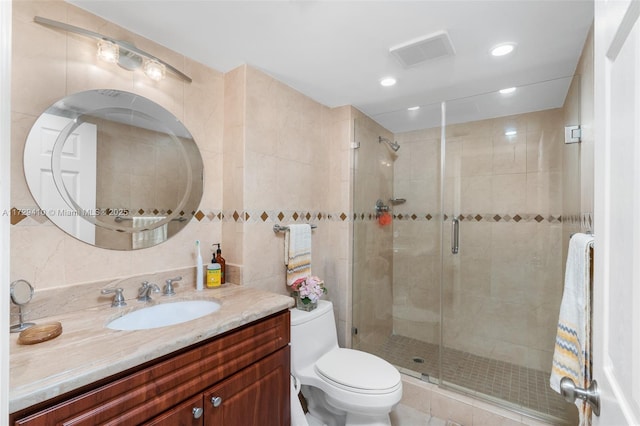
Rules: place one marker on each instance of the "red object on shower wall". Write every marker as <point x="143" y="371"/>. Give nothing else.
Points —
<point x="384" y="219"/>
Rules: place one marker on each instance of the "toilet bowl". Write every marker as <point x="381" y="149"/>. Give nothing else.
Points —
<point x="342" y="386"/>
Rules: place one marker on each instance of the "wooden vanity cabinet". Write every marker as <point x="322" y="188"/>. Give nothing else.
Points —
<point x="240" y="378"/>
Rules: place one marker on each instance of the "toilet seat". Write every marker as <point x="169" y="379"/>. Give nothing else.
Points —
<point x="358" y="371"/>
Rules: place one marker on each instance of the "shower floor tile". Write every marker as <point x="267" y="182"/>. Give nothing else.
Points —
<point x="520" y="387"/>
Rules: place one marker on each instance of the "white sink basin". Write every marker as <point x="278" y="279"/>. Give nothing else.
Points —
<point x="164" y="314"/>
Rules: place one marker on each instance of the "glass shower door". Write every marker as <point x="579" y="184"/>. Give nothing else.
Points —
<point x="502" y="255"/>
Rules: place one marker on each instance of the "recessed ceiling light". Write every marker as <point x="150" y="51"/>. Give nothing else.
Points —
<point x="413" y="108"/>
<point x="507" y="90"/>
<point x="388" y="81"/>
<point x="510" y="133"/>
<point x="502" y="49"/>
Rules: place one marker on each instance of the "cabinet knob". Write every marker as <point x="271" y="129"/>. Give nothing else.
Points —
<point x="216" y="401"/>
<point x="197" y="412"/>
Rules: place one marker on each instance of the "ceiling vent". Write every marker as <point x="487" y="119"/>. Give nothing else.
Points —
<point x="422" y="49"/>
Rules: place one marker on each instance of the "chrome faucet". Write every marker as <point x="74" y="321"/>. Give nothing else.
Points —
<point x="145" y="289"/>
<point x="118" y="298"/>
<point x="168" y="287"/>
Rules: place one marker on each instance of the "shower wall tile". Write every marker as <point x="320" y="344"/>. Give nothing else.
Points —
<point x="509" y="154"/>
<point x="508" y="192"/>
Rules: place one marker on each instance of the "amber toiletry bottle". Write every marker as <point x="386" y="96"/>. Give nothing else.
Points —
<point x="222" y="263"/>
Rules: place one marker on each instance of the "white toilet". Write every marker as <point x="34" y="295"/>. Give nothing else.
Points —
<point x="342" y="386"/>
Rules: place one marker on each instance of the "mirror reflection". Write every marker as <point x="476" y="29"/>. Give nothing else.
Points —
<point x="113" y="169"/>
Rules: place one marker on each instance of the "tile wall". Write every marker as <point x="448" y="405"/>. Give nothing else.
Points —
<point x="286" y="161"/>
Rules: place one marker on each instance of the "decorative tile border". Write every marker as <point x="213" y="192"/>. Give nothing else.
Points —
<point x="18" y="215"/>
<point x="469" y="217"/>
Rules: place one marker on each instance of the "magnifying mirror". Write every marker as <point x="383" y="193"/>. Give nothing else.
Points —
<point x="21" y="293"/>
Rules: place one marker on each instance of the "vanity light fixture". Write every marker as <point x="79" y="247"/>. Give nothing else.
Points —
<point x="413" y="108"/>
<point x="507" y="91"/>
<point x="119" y="52"/>
<point x="502" y="49"/>
<point x="388" y="81"/>
<point x="510" y="132"/>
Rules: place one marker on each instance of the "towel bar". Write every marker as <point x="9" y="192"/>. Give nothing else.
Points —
<point x="277" y="228"/>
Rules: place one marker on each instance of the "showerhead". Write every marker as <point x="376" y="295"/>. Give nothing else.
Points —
<point x="395" y="146"/>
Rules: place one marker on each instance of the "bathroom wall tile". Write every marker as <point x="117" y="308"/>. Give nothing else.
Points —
<point x="234" y="97"/>
<point x="40" y="263"/>
<point x="453" y="158"/>
<point x="261" y="177"/>
<point x="20" y="127"/>
<point x="42" y="53"/>
<point x="265" y="249"/>
<point x="477" y="156"/>
<point x="404" y="415"/>
<point x="509" y="154"/>
<point x="204" y="114"/>
<point x="509" y="193"/>
<point x="476" y="194"/>
<point x="544" y="192"/>
<point x="487" y="418"/>
<point x="449" y="409"/>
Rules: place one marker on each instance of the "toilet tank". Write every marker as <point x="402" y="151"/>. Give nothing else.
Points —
<point x="312" y="335"/>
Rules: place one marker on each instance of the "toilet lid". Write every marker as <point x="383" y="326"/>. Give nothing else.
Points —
<point x="357" y="369"/>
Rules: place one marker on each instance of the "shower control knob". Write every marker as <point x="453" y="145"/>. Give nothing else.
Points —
<point x="216" y="401"/>
<point x="197" y="412"/>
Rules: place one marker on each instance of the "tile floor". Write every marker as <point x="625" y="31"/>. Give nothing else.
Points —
<point x="523" y="388"/>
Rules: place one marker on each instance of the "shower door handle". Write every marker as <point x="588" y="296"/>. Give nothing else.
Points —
<point x="455" y="235"/>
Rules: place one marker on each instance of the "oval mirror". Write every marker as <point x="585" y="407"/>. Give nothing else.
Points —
<point x="113" y="169"/>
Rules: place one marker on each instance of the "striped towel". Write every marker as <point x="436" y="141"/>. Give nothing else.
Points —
<point x="297" y="252"/>
<point x="150" y="236"/>
<point x="572" y="352"/>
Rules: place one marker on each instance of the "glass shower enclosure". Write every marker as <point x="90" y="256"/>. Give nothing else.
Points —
<point x="458" y="276"/>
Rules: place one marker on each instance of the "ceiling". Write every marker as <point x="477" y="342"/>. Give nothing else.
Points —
<point x="336" y="52"/>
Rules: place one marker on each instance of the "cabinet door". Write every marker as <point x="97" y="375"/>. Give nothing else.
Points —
<point x="255" y="396"/>
<point x="189" y="413"/>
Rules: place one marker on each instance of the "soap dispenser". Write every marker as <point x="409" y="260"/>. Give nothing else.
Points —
<point x="222" y="262"/>
<point x="213" y="273"/>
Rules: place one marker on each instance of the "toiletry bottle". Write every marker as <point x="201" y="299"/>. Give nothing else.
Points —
<point x="213" y="273"/>
<point x="199" y="269"/>
<point x="223" y="264"/>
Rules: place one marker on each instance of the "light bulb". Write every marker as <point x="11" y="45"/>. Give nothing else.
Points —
<point x="108" y="51"/>
<point x="154" y="69"/>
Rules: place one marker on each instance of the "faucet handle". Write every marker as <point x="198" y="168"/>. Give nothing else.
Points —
<point x="168" y="287"/>
<point x="118" y="299"/>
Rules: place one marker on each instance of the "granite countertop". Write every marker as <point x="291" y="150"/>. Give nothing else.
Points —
<point x="87" y="351"/>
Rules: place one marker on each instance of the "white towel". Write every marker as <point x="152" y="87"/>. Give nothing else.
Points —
<point x="150" y="237"/>
<point x="297" y="252"/>
<point x="572" y="352"/>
